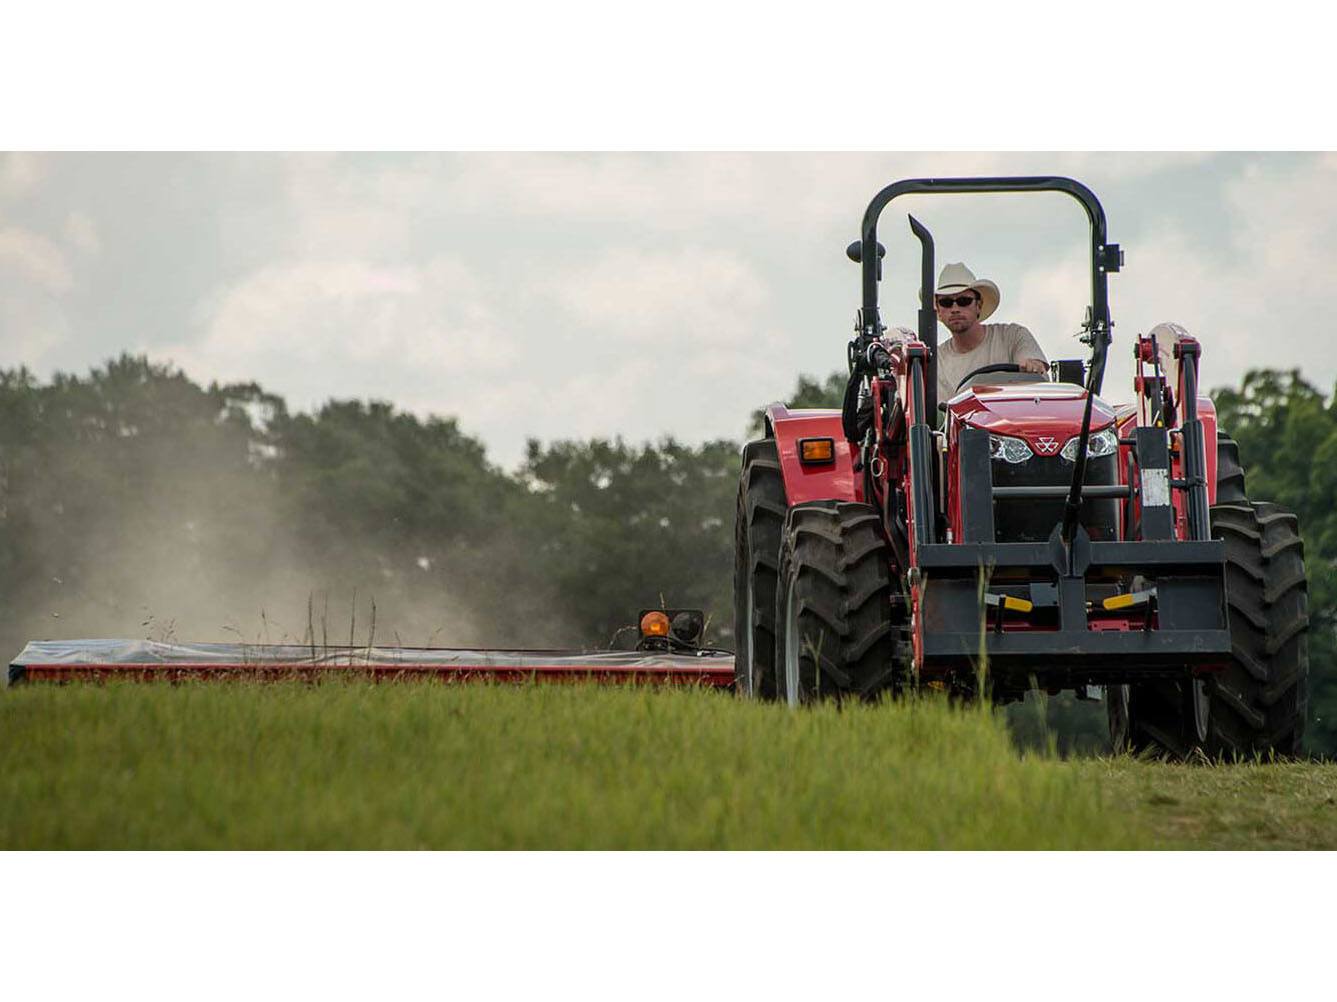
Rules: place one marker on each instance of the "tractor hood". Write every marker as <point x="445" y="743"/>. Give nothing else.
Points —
<point x="1030" y="411"/>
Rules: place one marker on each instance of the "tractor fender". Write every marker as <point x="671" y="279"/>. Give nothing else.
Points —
<point x="834" y="481"/>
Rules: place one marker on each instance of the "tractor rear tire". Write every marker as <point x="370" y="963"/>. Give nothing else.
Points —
<point x="758" y="526"/>
<point x="1259" y="701"/>
<point x="838" y="627"/>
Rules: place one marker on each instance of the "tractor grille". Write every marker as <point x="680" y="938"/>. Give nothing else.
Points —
<point x="1027" y="520"/>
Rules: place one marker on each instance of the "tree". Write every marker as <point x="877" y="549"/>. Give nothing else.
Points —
<point x="622" y="527"/>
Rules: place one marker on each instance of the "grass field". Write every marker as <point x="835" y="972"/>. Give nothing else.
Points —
<point x="357" y="765"/>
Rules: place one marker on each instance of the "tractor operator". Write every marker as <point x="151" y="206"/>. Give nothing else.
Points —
<point x="963" y="302"/>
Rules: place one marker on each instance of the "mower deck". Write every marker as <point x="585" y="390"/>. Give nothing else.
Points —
<point x="144" y="660"/>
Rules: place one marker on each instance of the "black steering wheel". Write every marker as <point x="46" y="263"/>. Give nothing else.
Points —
<point x="996" y="367"/>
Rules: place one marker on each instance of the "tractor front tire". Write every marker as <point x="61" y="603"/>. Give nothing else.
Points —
<point x="1259" y="701"/>
<point x="758" y="524"/>
<point x="837" y="627"/>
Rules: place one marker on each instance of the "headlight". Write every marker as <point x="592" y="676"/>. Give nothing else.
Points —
<point x="1101" y="443"/>
<point x="1012" y="450"/>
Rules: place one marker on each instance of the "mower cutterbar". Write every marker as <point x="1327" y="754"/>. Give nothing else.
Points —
<point x="142" y="660"/>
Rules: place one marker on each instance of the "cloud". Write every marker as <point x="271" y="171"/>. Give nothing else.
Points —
<point x="341" y="208"/>
<point x="31" y="331"/>
<point x="615" y="345"/>
<point x="773" y="190"/>
<point x="1237" y="296"/>
<point x="32" y="259"/>
<point x="1100" y="169"/>
<point x="690" y="296"/>
<point x="20" y="174"/>
<point x="344" y="328"/>
<point x="81" y="233"/>
<point x="567" y="295"/>
<point x="35" y="280"/>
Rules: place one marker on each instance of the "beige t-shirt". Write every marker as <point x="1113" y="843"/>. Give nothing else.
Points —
<point x="1002" y="343"/>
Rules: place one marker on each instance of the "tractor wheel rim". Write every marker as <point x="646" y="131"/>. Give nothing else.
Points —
<point x="1202" y="708"/>
<point x="791" y="647"/>
<point x="749" y="622"/>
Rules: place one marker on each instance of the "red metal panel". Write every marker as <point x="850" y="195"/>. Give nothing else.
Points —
<point x="61" y="660"/>
<point x="1030" y="411"/>
<point x="834" y="481"/>
<point x="1207" y="415"/>
<point x="712" y="672"/>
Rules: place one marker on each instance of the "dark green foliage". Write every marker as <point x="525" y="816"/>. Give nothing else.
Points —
<point x="365" y="467"/>
<point x="616" y="528"/>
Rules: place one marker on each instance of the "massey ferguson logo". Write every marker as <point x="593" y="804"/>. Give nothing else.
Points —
<point x="1047" y="446"/>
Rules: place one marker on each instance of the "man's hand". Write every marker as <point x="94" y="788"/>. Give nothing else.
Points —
<point x="1035" y="365"/>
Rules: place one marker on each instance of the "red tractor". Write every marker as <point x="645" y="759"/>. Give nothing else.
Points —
<point x="1019" y="536"/>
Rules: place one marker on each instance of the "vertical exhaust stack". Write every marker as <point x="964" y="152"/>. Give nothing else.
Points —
<point x="928" y="317"/>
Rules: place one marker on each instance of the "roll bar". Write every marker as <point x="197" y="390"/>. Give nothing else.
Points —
<point x="1105" y="258"/>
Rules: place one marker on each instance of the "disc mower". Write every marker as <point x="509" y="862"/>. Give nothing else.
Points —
<point x="669" y="651"/>
<point x="1021" y="535"/>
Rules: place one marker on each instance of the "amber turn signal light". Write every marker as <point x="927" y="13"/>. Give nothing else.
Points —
<point x="816" y="450"/>
<point x="655" y="624"/>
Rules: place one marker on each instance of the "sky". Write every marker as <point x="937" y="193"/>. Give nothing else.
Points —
<point x="569" y="295"/>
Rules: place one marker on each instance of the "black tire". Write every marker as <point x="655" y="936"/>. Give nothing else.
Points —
<point x="1173" y="717"/>
<point x="1229" y="472"/>
<point x="758" y="525"/>
<point x="1259" y="701"/>
<point x="836" y="608"/>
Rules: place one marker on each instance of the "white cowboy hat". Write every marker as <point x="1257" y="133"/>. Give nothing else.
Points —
<point x="956" y="277"/>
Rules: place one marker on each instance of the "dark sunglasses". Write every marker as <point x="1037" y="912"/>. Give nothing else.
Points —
<point x="948" y="301"/>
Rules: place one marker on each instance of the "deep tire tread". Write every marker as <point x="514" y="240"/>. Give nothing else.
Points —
<point x="1259" y="700"/>
<point x="758" y="526"/>
<point x="836" y="560"/>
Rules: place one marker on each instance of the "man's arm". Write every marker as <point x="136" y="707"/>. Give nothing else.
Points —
<point x="1025" y="351"/>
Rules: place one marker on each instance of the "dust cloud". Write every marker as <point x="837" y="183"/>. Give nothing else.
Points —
<point x="189" y="534"/>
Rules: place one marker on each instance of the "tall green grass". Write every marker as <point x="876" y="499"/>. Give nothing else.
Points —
<point x="427" y="765"/>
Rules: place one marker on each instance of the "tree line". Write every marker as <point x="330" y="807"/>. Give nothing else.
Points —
<point x="135" y="502"/>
